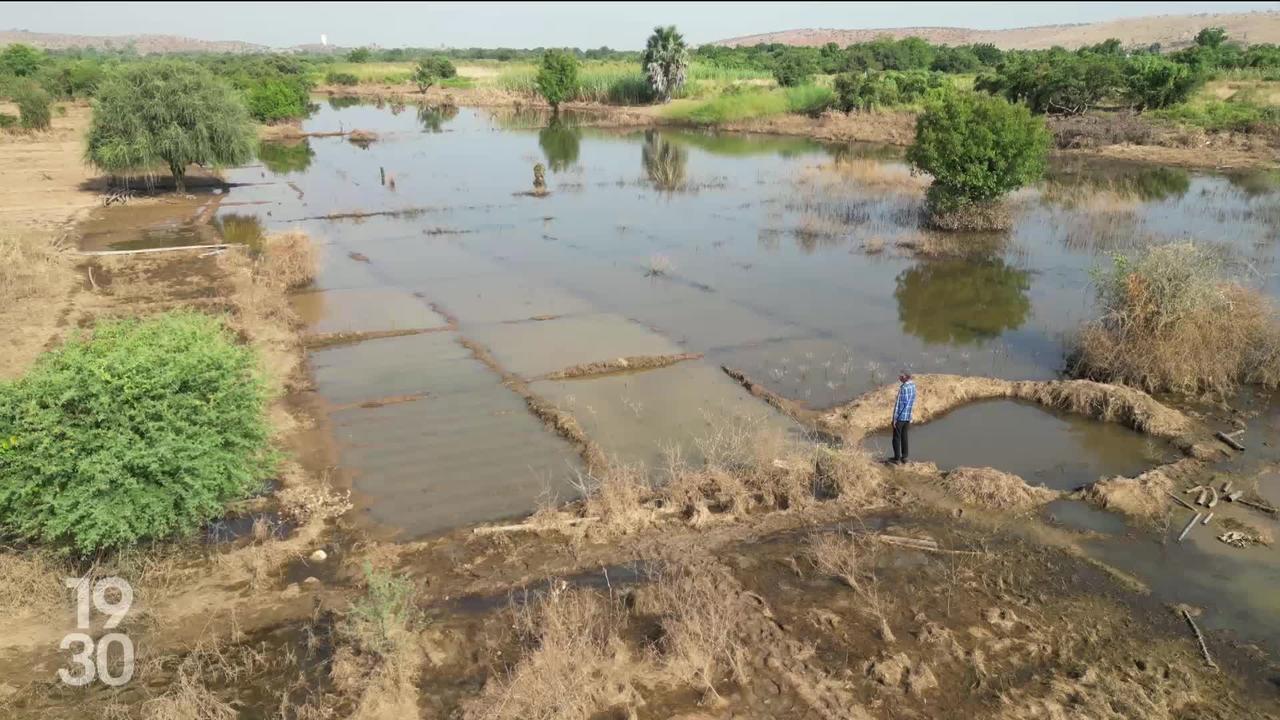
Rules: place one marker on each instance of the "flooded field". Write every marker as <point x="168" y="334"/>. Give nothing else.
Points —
<point x="803" y="265"/>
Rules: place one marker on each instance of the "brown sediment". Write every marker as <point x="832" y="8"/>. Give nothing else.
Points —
<point x="442" y="311"/>
<point x="1145" y="496"/>
<point x="535" y="318"/>
<point x="787" y="407"/>
<point x="358" y="215"/>
<point x="939" y="393"/>
<point x="358" y="256"/>
<point x="362" y="137"/>
<point x="320" y="341"/>
<point x="382" y="402"/>
<point x="560" y="421"/>
<point x="631" y="363"/>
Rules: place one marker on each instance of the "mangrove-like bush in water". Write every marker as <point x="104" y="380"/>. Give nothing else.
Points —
<point x="977" y="148"/>
<point x="143" y="429"/>
<point x="167" y="115"/>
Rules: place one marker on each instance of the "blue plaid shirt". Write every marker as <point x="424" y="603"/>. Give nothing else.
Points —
<point x="906" y="402"/>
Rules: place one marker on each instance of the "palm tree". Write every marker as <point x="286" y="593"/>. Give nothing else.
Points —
<point x="666" y="58"/>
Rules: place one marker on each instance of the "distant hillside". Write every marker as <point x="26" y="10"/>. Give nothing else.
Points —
<point x="1171" y="31"/>
<point x="145" y="44"/>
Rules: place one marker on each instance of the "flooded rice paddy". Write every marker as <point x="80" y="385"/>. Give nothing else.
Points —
<point x="802" y="264"/>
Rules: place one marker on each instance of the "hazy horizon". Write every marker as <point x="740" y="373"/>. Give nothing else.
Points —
<point x="554" y="24"/>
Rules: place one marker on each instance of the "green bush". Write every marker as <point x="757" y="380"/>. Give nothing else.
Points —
<point x="167" y="114"/>
<point x="875" y="89"/>
<point x="794" y="68"/>
<point x="279" y="99"/>
<point x="751" y="104"/>
<point x="432" y="70"/>
<point x="341" y="78"/>
<point x="1055" y="81"/>
<point x="1151" y="81"/>
<point x="20" y="60"/>
<point x="144" y="429"/>
<point x="1236" y="114"/>
<point x="360" y="55"/>
<point x="35" y="107"/>
<point x="557" y="78"/>
<point x="8" y="121"/>
<point x="72" y="79"/>
<point x="977" y="148"/>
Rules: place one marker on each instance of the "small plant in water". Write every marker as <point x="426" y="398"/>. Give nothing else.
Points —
<point x="659" y="265"/>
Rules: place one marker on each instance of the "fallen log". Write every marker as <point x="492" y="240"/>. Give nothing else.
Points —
<point x="1180" y="501"/>
<point x="1204" y="648"/>
<point x="1257" y="506"/>
<point x="1190" y="525"/>
<point x="1227" y="439"/>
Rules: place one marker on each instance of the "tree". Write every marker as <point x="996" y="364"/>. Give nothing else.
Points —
<point x="360" y="55"/>
<point x="1153" y="82"/>
<point x="665" y="61"/>
<point x="557" y="79"/>
<point x="1055" y="81"/>
<point x="1211" y="37"/>
<point x="795" y="67"/>
<point x="167" y="114"/>
<point x="977" y="148"/>
<point x="34" y="106"/>
<point x="20" y="60"/>
<point x="432" y="70"/>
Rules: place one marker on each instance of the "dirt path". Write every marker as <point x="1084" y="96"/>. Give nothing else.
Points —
<point x="44" y="182"/>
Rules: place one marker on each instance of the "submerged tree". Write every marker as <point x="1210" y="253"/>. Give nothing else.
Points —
<point x="167" y="114"/>
<point x="557" y="77"/>
<point x="665" y="60"/>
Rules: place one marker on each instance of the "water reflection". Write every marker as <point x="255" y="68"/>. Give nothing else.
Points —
<point x="739" y="145"/>
<point x="283" y="158"/>
<point x="1255" y="183"/>
<point x="240" y="229"/>
<point x="1079" y="184"/>
<point x="665" y="162"/>
<point x="338" y="102"/>
<point x="433" y="118"/>
<point x="560" y="142"/>
<point x="958" y="301"/>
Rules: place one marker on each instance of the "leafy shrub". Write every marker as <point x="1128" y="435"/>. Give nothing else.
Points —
<point x="794" y="68"/>
<point x="279" y="99"/>
<point x="35" y="107"/>
<point x="167" y="114"/>
<point x="20" y="60"/>
<point x="360" y="55"/>
<point x="977" y="148"/>
<point x="1171" y="321"/>
<point x="8" y="121"/>
<point x="557" y="78"/>
<point x="432" y="70"/>
<point x="341" y="78"/>
<point x="871" y="90"/>
<point x="144" y="429"/>
<point x="383" y="618"/>
<point x="1151" y="81"/>
<point x="72" y="79"/>
<point x="1055" y="81"/>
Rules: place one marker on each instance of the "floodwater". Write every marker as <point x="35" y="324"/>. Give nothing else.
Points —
<point x="1056" y="450"/>
<point x="777" y="256"/>
<point x="791" y="260"/>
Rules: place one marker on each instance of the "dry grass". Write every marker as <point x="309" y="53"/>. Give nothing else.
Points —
<point x="1172" y="322"/>
<point x="32" y="583"/>
<point x="618" y="495"/>
<point x="289" y="258"/>
<point x="1145" y="496"/>
<point x="862" y="174"/>
<point x="701" y="623"/>
<point x="35" y="272"/>
<point x="991" y="488"/>
<point x="575" y="666"/>
<point x="852" y="560"/>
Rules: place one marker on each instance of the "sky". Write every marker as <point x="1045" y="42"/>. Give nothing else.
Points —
<point x="621" y="25"/>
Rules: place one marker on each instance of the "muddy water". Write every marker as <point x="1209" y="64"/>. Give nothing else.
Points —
<point x="651" y="242"/>
<point x="1058" y="451"/>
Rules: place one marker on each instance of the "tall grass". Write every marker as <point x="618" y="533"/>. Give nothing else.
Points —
<point x="1236" y="114"/>
<point x="391" y="73"/>
<point x="615" y="83"/>
<point x="749" y="105"/>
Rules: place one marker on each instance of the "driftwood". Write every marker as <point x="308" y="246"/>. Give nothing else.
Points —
<point x="917" y="544"/>
<point x="1229" y="440"/>
<point x="1190" y="525"/>
<point x="1257" y="506"/>
<point x="1204" y="648"/>
<point x="1180" y="501"/>
<point x="95" y="253"/>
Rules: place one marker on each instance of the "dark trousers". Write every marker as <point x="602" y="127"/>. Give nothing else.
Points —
<point x="900" y="429"/>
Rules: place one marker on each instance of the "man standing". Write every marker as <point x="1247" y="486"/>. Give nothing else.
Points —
<point x="902" y="417"/>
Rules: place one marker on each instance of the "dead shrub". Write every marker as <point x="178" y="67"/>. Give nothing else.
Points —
<point x="991" y="488"/>
<point x="576" y="664"/>
<point x="852" y="560"/>
<point x="289" y="258"/>
<point x="32" y="583"/>
<point x="617" y="494"/>
<point x="32" y="265"/>
<point x="701" y="621"/>
<point x="1171" y="322"/>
